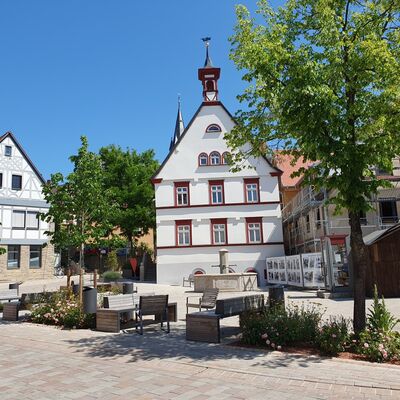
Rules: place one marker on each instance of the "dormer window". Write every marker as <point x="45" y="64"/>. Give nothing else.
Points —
<point x="8" y="151"/>
<point x="215" y="158"/>
<point x="213" y="128"/>
<point x="203" y="159"/>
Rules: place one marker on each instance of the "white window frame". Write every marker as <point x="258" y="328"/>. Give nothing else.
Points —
<point x="254" y="229"/>
<point x="203" y="157"/>
<point x="182" y="196"/>
<point x="183" y="232"/>
<point x="219" y="233"/>
<point x="218" y="191"/>
<point x="8" y="151"/>
<point x="215" y="158"/>
<point x="252" y="192"/>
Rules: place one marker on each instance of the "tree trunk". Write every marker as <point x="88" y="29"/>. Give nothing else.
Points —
<point x="81" y="270"/>
<point x="360" y="259"/>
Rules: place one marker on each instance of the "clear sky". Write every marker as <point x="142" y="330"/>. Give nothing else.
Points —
<point x="110" y="70"/>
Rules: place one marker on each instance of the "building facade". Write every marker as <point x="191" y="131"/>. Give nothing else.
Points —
<point x="29" y="254"/>
<point x="307" y="218"/>
<point x="202" y="206"/>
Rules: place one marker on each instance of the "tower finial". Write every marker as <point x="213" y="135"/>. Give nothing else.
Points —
<point x="208" y="62"/>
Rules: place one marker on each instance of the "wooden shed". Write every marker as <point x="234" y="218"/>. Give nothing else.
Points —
<point x="384" y="268"/>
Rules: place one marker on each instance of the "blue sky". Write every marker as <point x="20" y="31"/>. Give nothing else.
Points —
<point x="110" y="70"/>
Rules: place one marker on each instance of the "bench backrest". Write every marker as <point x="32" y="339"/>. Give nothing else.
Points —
<point x="119" y="301"/>
<point x="152" y="305"/>
<point x="209" y="297"/>
<point x="9" y="293"/>
<point x="237" y="305"/>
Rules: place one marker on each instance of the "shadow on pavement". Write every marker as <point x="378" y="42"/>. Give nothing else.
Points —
<point x="157" y="345"/>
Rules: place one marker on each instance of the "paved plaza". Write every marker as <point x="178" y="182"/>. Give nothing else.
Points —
<point x="42" y="362"/>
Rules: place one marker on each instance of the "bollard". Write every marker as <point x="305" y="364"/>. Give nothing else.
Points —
<point x="276" y="296"/>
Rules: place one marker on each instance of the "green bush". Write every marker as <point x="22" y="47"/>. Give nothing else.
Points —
<point x="111" y="276"/>
<point x="112" y="261"/>
<point x="61" y="309"/>
<point x="379" y="342"/>
<point x="333" y="336"/>
<point x="280" y="326"/>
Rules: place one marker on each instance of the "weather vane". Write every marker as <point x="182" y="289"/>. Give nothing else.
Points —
<point x="206" y="40"/>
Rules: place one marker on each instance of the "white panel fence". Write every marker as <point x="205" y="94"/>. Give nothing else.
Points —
<point x="303" y="270"/>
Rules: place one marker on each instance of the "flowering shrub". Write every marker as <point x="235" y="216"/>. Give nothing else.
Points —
<point x="61" y="309"/>
<point x="379" y="346"/>
<point x="379" y="342"/>
<point x="333" y="336"/>
<point x="279" y="326"/>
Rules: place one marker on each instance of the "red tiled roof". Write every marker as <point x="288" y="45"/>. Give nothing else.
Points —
<point x="284" y="162"/>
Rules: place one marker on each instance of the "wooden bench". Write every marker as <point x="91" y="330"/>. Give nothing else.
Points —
<point x="10" y="311"/>
<point x="108" y="318"/>
<point x="204" y="326"/>
<point x="207" y="300"/>
<point x="10" y="294"/>
<point x="152" y="305"/>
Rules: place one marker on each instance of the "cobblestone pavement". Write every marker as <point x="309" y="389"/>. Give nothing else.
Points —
<point x="40" y="362"/>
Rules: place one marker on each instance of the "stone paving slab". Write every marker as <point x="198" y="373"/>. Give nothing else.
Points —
<point x="40" y="362"/>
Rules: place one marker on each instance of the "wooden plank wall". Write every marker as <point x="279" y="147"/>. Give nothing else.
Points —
<point x="384" y="268"/>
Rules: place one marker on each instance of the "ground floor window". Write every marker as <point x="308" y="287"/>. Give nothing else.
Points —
<point x="13" y="256"/>
<point x="35" y="257"/>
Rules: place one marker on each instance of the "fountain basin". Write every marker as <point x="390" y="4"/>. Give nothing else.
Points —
<point x="236" y="282"/>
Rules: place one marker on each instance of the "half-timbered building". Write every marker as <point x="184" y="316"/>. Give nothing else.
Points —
<point x="29" y="254"/>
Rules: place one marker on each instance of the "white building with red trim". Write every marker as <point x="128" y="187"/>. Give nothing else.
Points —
<point x="202" y="206"/>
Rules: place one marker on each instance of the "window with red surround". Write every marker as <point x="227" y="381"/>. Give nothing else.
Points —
<point x="216" y="192"/>
<point x="254" y="231"/>
<point x="226" y="156"/>
<point x="203" y="159"/>
<point x="219" y="231"/>
<point x="182" y="195"/>
<point x="215" y="158"/>
<point x="183" y="233"/>
<point x="251" y="190"/>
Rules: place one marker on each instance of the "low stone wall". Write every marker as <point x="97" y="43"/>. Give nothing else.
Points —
<point x="244" y="282"/>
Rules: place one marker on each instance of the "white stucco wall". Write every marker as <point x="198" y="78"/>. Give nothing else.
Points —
<point x="175" y="263"/>
<point x="28" y="199"/>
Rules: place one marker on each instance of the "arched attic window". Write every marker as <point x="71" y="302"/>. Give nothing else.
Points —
<point x="203" y="159"/>
<point x="215" y="158"/>
<point x="226" y="157"/>
<point x="213" y="128"/>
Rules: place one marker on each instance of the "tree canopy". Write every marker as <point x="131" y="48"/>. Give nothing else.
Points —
<point x="81" y="207"/>
<point x="324" y="84"/>
<point x="127" y="174"/>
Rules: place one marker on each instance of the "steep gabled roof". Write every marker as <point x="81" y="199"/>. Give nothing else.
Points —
<point x="284" y="161"/>
<point x="28" y="160"/>
<point x="216" y="103"/>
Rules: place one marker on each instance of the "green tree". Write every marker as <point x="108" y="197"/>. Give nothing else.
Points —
<point x="128" y="177"/>
<point x="324" y="83"/>
<point x="81" y="208"/>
